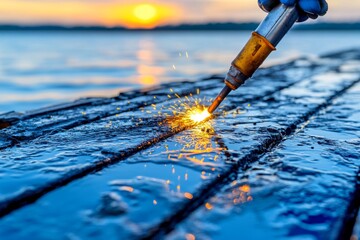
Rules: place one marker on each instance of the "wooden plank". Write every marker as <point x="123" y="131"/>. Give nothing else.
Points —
<point x="306" y="188"/>
<point x="47" y="156"/>
<point x="281" y="110"/>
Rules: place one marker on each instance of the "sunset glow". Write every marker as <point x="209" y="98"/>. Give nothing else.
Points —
<point x="142" y="15"/>
<point x="147" y="13"/>
<point x="131" y="14"/>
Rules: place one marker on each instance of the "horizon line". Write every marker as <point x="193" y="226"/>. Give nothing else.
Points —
<point x="331" y="25"/>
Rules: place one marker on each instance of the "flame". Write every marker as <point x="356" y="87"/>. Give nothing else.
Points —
<point x="199" y="116"/>
<point x="188" y="111"/>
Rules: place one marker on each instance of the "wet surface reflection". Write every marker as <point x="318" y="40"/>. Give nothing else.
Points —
<point x="161" y="183"/>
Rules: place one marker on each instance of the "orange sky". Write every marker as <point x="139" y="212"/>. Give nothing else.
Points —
<point x="128" y="13"/>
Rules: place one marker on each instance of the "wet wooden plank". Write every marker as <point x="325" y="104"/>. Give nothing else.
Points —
<point x="102" y="142"/>
<point x="307" y="188"/>
<point x="275" y="111"/>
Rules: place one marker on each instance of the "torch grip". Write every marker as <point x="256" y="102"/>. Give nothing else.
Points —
<point x="253" y="54"/>
<point x="262" y="42"/>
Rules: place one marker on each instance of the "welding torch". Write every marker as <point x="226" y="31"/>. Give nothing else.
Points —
<point x="262" y="42"/>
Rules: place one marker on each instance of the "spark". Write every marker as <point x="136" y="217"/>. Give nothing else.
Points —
<point x="190" y="236"/>
<point x="199" y="116"/>
<point x="188" y="195"/>
<point x="197" y="145"/>
<point x="245" y="188"/>
<point x="127" y="188"/>
<point x="188" y="111"/>
<point x="208" y="206"/>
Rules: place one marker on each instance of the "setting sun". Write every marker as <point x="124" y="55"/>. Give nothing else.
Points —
<point x="145" y="12"/>
<point x="142" y="15"/>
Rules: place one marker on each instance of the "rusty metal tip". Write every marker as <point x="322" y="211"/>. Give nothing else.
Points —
<point x="222" y="95"/>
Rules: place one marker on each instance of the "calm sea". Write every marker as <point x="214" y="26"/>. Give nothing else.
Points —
<point x="39" y="69"/>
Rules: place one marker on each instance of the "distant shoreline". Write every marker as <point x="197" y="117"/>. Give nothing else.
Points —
<point x="344" y="26"/>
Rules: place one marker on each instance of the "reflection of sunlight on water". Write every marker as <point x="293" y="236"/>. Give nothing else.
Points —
<point x="116" y="57"/>
<point x="147" y="80"/>
<point x="145" y="55"/>
<point x="148" y="74"/>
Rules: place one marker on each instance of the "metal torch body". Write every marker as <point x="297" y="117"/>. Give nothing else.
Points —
<point x="262" y="42"/>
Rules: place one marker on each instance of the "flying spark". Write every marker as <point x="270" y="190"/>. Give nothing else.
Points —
<point x="188" y="111"/>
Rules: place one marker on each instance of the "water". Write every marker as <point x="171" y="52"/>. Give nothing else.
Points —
<point x="39" y="69"/>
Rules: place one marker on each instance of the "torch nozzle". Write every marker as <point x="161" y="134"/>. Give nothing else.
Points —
<point x="222" y="95"/>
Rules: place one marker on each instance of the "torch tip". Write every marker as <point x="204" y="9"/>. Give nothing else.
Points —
<point x="222" y="95"/>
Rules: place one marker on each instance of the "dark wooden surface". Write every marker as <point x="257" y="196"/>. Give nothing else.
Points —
<point x="282" y="162"/>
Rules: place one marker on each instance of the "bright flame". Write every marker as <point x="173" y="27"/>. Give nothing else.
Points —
<point x="199" y="116"/>
<point x="188" y="111"/>
<point x="198" y="144"/>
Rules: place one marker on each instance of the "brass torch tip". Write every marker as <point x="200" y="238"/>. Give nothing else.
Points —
<point x="222" y="95"/>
